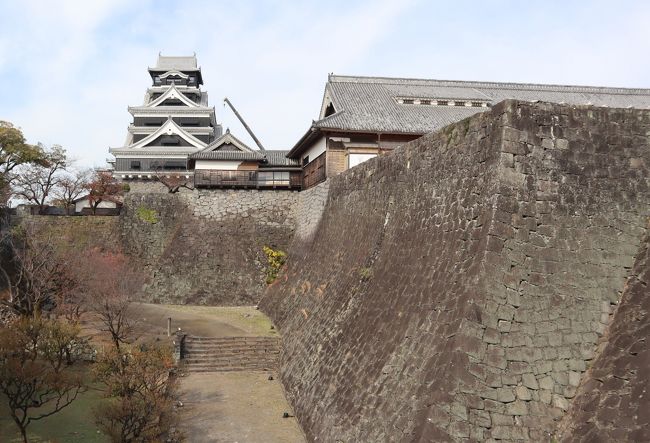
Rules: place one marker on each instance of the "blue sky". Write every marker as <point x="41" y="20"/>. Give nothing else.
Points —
<point x="69" y="69"/>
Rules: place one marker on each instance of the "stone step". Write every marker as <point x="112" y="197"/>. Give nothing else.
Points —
<point x="220" y="354"/>
<point x="213" y="360"/>
<point x="229" y="369"/>
<point x="232" y="354"/>
<point x="236" y="340"/>
<point x="233" y="348"/>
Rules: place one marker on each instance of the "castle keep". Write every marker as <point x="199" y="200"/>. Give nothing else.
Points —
<point x="175" y="133"/>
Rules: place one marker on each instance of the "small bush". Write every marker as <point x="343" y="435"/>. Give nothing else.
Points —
<point x="147" y="214"/>
<point x="276" y="259"/>
<point x="365" y="273"/>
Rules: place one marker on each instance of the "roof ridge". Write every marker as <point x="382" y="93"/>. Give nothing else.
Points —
<point x="474" y="83"/>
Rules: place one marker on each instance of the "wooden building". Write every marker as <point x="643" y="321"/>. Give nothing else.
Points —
<point x="362" y="117"/>
<point x="230" y="163"/>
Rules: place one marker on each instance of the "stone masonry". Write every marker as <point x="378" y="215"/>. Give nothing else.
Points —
<point x="458" y="289"/>
<point x="612" y="403"/>
<point x="206" y="247"/>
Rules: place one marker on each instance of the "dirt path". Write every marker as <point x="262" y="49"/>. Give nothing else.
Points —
<point x="224" y="407"/>
<point x="242" y="407"/>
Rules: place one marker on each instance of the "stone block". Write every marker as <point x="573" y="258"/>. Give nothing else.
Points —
<point x="530" y="381"/>
<point x="522" y="393"/>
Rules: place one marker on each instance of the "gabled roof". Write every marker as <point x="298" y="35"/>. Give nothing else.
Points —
<point x="279" y="158"/>
<point x="373" y="104"/>
<point x="169" y="128"/>
<point x="235" y="149"/>
<point x="412" y="106"/>
<point x="177" y="63"/>
<point x="228" y="147"/>
<point x="172" y="93"/>
<point x="174" y="73"/>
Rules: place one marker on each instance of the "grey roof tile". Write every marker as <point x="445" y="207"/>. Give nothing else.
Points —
<point x="178" y="63"/>
<point x="369" y="103"/>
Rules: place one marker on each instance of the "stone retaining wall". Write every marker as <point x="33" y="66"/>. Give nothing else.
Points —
<point x="458" y="288"/>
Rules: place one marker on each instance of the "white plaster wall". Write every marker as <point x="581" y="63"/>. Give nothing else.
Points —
<point x="217" y="164"/>
<point x="316" y="149"/>
<point x="81" y="204"/>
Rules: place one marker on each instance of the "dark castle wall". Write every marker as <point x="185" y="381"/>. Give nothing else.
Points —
<point x="458" y="288"/>
<point x="612" y="403"/>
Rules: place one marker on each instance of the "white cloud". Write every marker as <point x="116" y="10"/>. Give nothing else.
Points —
<point x="75" y="66"/>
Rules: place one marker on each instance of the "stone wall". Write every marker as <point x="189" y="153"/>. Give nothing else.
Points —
<point x="77" y="233"/>
<point x="308" y="211"/>
<point x="205" y="247"/>
<point x="458" y="288"/>
<point x="199" y="247"/>
<point x="612" y="403"/>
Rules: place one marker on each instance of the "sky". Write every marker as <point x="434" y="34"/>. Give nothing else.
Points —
<point x="69" y="69"/>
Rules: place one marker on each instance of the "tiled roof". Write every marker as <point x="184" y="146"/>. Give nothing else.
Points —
<point x="227" y="155"/>
<point x="370" y="103"/>
<point x="269" y="158"/>
<point x="183" y="63"/>
<point x="278" y="158"/>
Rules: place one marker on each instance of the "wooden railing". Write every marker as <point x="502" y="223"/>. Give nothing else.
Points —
<point x="211" y="178"/>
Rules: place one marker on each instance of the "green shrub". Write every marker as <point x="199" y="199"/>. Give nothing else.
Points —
<point x="365" y="273"/>
<point x="147" y="214"/>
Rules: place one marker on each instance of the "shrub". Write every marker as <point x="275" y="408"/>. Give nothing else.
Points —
<point x="147" y="215"/>
<point x="276" y="260"/>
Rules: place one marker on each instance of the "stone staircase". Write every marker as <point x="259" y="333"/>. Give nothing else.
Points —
<point x="220" y="354"/>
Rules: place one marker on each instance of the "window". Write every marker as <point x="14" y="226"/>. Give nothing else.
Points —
<point x="156" y="81"/>
<point x="425" y="102"/>
<point x="276" y="178"/>
<point x="407" y="101"/>
<point x="477" y="104"/>
<point x="174" y="165"/>
<point x="305" y="160"/>
<point x="443" y="103"/>
<point x="135" y="165"/>
<point x="355" y="159"/>
<point x="459" y="103"/>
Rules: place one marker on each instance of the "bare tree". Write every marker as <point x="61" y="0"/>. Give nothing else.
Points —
<point x="35" y="375"/>
<point x="103" y="187"/>
<point x="72" y="186"/>
<point x="35" y="276"/>
<point x="172" y="181"/>
<point x="112" y="284"/>
<point x="35" y="182"/>
<point x="141" y="392"/>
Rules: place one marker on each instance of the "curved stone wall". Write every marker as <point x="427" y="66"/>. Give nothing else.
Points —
<point x="458" y="288"/>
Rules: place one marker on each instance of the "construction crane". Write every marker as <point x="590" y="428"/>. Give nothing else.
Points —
<point x="259" y="144"/>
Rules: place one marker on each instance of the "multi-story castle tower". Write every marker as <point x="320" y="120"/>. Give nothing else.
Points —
<point x="173" y="122"/>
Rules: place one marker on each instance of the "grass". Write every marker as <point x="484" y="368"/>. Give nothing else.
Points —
<point x="247" y="318"/>
<point x="72" y="424"/>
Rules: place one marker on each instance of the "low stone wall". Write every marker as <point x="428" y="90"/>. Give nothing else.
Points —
<point x="458" y="288"/>
<point x="268" y="207"/>
<point x="77" y="232"/>
<point x="206" y="247"/>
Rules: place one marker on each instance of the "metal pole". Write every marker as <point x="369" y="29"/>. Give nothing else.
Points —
<point x="169" y="326"/>
<point x="259" y="144"/>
